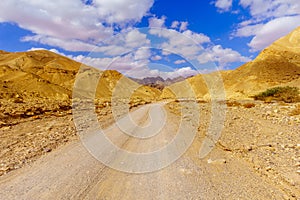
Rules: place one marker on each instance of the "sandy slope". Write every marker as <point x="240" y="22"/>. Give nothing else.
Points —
<point x="72" y="173"/>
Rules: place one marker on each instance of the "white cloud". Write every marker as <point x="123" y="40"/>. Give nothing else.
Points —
<point x="155" y="22"/>
<point x="263" y="9"/>
<point x="188" y="45"/>
<point x="248" y="30"/>
<point x="67" y="44"/>
<point x="135" y="39"/>
<point x="72" y="20"/>
<point x="142" y="54"/>
<point x="133" y="68"/>
<point x="183" y="26"/>
<point x="175" y="24"/>
<point x="184" y="71"/>
<point x="177" y="62"/>
<point x="223" y="5"/>
<point x="199" y="38"/>
<point x="122" y="43"/>
<point x="146" y="72"/>
<point x="273" y="30"/>
<point x="36" y="49"/>
<point x="180" y="26"/>
<point x="119" y="11"/>
<point x="156" y="57"/>
<point x="222" y="56"/>
<point x="270" y="20"/>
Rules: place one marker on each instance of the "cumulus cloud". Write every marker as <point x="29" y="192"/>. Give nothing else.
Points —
<point x="133" y="68"/>
<point x="156" y="57"/>
<point x="175" y="24"/>
<point x="122" y="43"/>
<point x="187" y="44"/>
<point x="147" y="72"/>
<point x="270" y="20"/>
<point x="222" y="56"/>
<point x="183" y="26"/>
<point x="155" y="22"/>
<point x="72" y="20"/>
<point x="178" y="62"/>
<point x="223" y="5"/>
<point x="67" y="44"/>
<point x="119" y="11"/>
<point x="180" y="26"/>
<point x="262" y="9"/>
<point x="248" y="30"/>
<point x="273" y="30"/>
<point x="199" y="38"/>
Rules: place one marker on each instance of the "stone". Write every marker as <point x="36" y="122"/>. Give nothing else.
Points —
<point x="217" y="161"/>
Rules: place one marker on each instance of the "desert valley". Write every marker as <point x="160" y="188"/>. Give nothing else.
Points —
<point x="257" y="155"/>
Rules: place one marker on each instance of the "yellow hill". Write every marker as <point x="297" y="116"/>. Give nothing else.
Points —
<point x="45" y="75"/>
<point x="277" y="65"/>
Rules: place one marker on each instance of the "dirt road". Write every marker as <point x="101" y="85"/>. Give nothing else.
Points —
<point x="71" y="172"/>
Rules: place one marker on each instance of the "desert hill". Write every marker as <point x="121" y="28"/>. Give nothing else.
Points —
<point x="36" y="74"/>
<point x="277" y="65"/>
<point x="46" y="74"/>
<point x="36" y="82"/>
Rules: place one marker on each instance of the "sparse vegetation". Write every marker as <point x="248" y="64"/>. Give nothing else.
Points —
<point x="233" y="103"/>
<point x="238" y="104"/>
<point x="286" y="94"/>
<point x="249" y="105"/>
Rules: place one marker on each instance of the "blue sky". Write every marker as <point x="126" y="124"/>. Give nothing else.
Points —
<point x="227" y="33"/>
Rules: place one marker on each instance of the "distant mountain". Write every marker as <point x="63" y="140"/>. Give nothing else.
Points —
<point x="158" y="82"/>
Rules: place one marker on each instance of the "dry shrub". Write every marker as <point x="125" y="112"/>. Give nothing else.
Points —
<point x="286" y="94"/>
<point x="201" y="101"/>
<point x="233" y="104"/>
<point x="248" y="105"/>
<point x="296" y="111"/>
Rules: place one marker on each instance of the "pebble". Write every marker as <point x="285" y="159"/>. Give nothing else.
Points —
<point x="6" y="128"/>
<point x="217" y="161"/>
<point x="268" y="168"/>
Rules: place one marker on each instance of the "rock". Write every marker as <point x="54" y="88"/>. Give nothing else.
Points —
<point x="268" y="168"/>
<point x="217" y="161"/>
<point x="6" y="128"/>
<point x="46" y="150"/>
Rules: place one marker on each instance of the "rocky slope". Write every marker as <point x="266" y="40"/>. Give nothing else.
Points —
<point x="36" y="82"/>
<point x="36" y="91"/>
